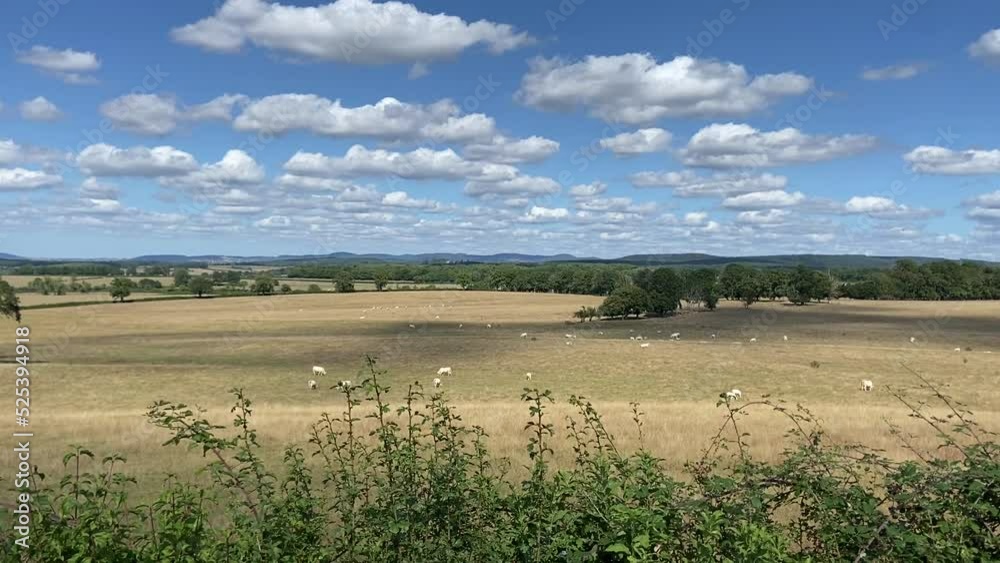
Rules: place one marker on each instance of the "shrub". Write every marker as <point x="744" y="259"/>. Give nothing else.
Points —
<point x="419" y="485"/>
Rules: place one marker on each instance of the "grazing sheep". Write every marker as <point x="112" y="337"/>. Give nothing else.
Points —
<point x="677" y="336"/>
<point x="644" y="345"/>
<point x="527" y="376"/>
<point x="413" y="326"/>
<point x="345" y="384"/>
<point x="958" y="349"/>
<point x="444" y="371"/>
<point x="631" y="338"/>
<point x="319" y="370"/>
<point x="312" y="384"/>
<point x="489" y="325"/>
<point x="737" y="393"/>
<point x="638" y="338"/>
<point x="460" y="325"/>
<point x="867" y="385"/>
<point x="362" y="317"/>
<point x="913" y="339"/>
<point x="786" y="338"/>
<point x="601" y="332"/>
<point x="754" y="339"/>
<point x="524" y="335"/>
<point x="568" y="343"/>
<point x="568" y="335"/>
<point x="437" y="382"/>
<point x="713" y="335"/>
<point x="728" y="396"/>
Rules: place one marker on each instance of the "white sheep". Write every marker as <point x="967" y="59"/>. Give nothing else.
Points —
<point x="413" y="325"/>
<point x="524" y="335"/>
<point x="754" y="339"/>
<point x="345" y="384"/>
<point x="631" y="338"/>
<point x="312" y="384"/>
<point x="568" y="343"/>
<point x="319" y="370"/>
<point x="444" y="371"/>
<point x="644" y="345"/>
<point x="958" y="349"/>
<point x="527" y="376"/>
<point x="675" y="336"/>
<point x="489" y="325"/>
<point x="638" y="338"/>
<point x="913" y="339"/>
<point x="737" y="393"/>
<point x="437" y="382"/>
<point x="713" y="335"/>
<point x="867" y="385"/>
<point x="729" y="396"/>
<point x="786" y="338"/>
<point x="568" y="335"/>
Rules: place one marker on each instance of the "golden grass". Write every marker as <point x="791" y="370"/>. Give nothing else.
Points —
<point x="96" y="368"/>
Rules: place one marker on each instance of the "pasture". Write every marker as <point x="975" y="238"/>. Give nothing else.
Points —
<point x="96" y="368"/>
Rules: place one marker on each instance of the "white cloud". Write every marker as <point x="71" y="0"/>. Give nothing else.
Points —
<point x="40" y="109"/>
<point x="638" y="142"/>
<point x="592" y="189"/>
<point x="23" y="179"/>
<point x="941" y="160"/>
<point x="388" y="119"/>
<point x="158" y="114"/>
<point x="95" y="189"/>
<point x="12" y="152"/>
<point x="512" y="151"/>
<point x="311" y="183"/>
<point x="635" y="88"/>
<point x="987" y="47"/>
<point x="764" y="200"/>
<point x="526" y="186"/>
<point x="108" y="160"/>
<point x="419" y="164"/>
<point x="990" y="200"/>
<point x="695" y="218"/>
<point x="763" y="217"/>
<point x="984" y="214"/>
<point x="894" y="72"/>
<point x="885" y="208"/>
<point x="537" y="213"/>
<point x="236" y="168"/>
<point x="615" y="205"/>
<point x="732" y="145"/>
<point x="689" y="184"/>
<point x="347" y="31"/>
<point x="69" y="65"/>
<point x="402" y="199"/>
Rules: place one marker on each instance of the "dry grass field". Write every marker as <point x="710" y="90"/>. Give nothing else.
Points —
<point x="95" y="368"/>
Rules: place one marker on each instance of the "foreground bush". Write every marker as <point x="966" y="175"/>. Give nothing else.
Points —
<point x="423" y="487"/>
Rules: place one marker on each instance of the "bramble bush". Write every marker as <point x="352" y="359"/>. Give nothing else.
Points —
<point x="412" y="482"/>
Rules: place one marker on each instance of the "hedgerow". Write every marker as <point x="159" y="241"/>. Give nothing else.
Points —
<point x="411" y="482"/>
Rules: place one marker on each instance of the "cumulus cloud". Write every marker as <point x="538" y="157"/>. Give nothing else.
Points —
<point x="894" y="72"/>
<point x="695" y="218"/>
<point x="733" y="145"/>
<point x="158" y="114"/>
<point x="347" y="31"/>
<point x="388" y="119"/>
<point x="615" y="204"/>
<point x="538" y="213"/>
<point x="402" y="199"/>
<point x="764" y="200"/>
<point x="987" y="47"/>
<point x="40" y="109"/>
<point x="689" y="184"/>
<point x="991" y="200"/>
<point x="885" y="208"/>
<point x="107" y="160"/>
<point x="12" y="152"/>
<point x="419" y="164"/>
<point x="592" y="189"/>
<point x="73" y="67"/>
<point x="635" y="88"/>
<point x="22" y="179"/>
<point x="95" y="189"/>
<point x="763" y="217"/>
<point x="638" y="142"/>
<point x="525" y="186"/>
<point x="504" y="150"/>
<point x="237" y="168"/>
<point x="941" y="160"/>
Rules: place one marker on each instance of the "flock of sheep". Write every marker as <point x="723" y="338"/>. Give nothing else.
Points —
<point x="732" y="395"/>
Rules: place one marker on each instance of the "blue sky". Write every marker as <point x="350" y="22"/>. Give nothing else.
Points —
<point x="731" y="127"/>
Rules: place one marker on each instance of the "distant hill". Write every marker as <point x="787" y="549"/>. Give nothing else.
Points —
<point x="685" y="260"/>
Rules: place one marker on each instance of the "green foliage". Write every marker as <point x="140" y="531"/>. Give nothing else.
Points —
<point x="314" y="288"/>
<point x="743" y="284"/>
<point x="805" y="285"/>
<point x="343" y="282"/>
<point x="585" y="313"/>
<point x="182" y="277"/>
<point x="285" y="288"/>
<point x="10" y="305"/>
<point x="200" y="285"/>
<point x="147" y="284"/>
<point x="412" y="482"/>
<point x="702" y="286"/>
<point x="624" y="302"/>
<point x="121" y="288"/>
<point x="48" y="286"/>
<point x="263" y="285"/>
<point x="381" y="279"/>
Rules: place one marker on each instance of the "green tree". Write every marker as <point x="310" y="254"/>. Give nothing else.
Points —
<point x="741" y="283"/>
<point x="665" y="289"/>
<point x="121" y="288"/>
<point x="10" y="305"/>
<point x="181" y="277"/>
<point x="701" y="286"/>
<point x="625" y="301"/>
<point x="381" y="279"/>
<point x="148" y="284"/>
<point x="200" y="285"/>
<point x="264" y="285"/>
<point x="314" y="288"/>
<point x="285" y="288"/>
<point x="343" y="282"/>
<point x="585" y="313"/>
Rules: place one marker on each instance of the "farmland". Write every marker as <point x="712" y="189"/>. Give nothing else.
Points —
<point x="96" y="368"/>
